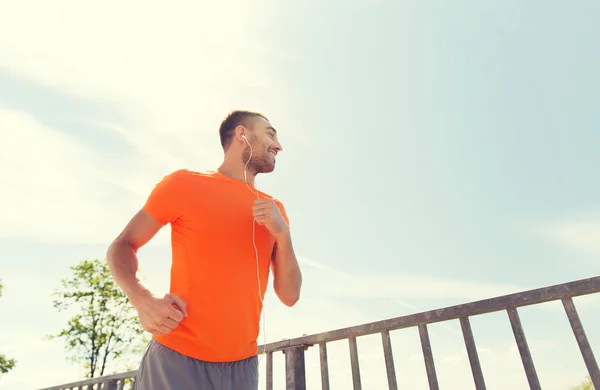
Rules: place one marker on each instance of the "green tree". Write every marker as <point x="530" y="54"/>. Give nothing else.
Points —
<point x="6" y="364"/>
<point x="104" y="326"/>
<point x="586" y="385"/>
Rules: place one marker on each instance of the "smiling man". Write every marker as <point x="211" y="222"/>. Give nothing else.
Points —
<point x="226" y="237"/>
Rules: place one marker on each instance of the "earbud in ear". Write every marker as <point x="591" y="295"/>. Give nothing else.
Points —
<point x="244" y="137"/>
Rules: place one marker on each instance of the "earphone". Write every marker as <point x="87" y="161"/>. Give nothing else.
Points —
<point x="260" y="295"/>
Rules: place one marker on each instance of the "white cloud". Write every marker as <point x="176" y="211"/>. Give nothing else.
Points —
<point x="402" y="287"/>
<point x="451" y="359"/>
<point x="174" y="71"/>
<point x="580" y="234"/>
<point x="52" y="186"/>
<point x="57" y="188"/>
<point x="175" y="68"/>
<point x="536" y="345"/>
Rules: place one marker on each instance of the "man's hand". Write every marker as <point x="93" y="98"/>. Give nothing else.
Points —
<point x="158" y="316"/>
<point x="267" y="213"/>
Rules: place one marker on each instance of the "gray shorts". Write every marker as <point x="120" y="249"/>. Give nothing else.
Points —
<point x="165" y="369"/>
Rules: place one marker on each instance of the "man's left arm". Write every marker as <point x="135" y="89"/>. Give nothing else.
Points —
<point x="287" y="278"/>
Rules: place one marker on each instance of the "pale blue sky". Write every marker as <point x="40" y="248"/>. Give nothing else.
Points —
<point x="434" y="153"/>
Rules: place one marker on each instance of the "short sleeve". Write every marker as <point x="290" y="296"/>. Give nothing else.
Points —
<point x="283" y="212"/>
<point x="164" y="202"/>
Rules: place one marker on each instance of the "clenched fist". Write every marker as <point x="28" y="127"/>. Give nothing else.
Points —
<point x="267" y="213"/>
<point x="159" y="316"/>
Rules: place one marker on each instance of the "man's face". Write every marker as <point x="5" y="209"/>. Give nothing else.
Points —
<point x="265" y="146"/>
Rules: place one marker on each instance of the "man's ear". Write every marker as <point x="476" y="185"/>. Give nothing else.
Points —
<point x="240" y="132"/>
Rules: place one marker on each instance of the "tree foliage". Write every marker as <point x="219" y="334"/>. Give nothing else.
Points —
<point x="586" y="385"/>
<point x="6" y="364"/>
<point x="104" y="326"/>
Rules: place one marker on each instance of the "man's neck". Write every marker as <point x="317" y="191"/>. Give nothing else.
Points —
<point x="235" y="171"/>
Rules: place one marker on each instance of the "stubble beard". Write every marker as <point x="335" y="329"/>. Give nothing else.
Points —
<point x="261" y="161"/>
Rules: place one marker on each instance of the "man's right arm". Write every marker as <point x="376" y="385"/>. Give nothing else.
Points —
<point x="122" y="254"/>
<point x="157" y="316"/>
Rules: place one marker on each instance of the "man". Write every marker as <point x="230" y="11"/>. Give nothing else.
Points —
<point x="225" y="237"/>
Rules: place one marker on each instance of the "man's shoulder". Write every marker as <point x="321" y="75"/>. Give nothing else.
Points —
<point x="279" y="204"/>
<point x="188" y="174"/>
<point x="182" y="180"/>
<point x="277" y="201"/>
<point x="264" y="195"/>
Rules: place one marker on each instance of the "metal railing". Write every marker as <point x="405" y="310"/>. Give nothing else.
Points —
<point x="293" y="349"/>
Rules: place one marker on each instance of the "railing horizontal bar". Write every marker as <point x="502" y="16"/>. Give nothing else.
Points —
<point x="324" y="367"/>
<point x="525" y="298"/>
<point x="582" y="341"/>
<point x="465" y="324"/>
<point x="389" y="360"/>
<point x="515" y="322"/>
<point x="428" y="355"/>
<point x="354" y="363"/>
<point x="95" y="381"/>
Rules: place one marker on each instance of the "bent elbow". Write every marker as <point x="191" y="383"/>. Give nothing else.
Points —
<point x="290" y="300"/>
<point x="112" y="251"/>
<point x="117" y="249"/>
<point x="289" y="292"/>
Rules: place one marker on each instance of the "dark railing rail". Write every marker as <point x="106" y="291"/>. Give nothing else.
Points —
<point x="293" y="349"/>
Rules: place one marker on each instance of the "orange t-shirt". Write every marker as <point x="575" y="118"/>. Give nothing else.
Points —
<point x="214" y="262"/>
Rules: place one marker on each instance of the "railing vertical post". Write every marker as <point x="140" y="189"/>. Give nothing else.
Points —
<point x="269" y="370"/>
<point x="389" y="360"/>
<point x="295" y="375"/>
<point x="530" y="372"/>
<point x="110" y="385"/>
<point x="324" y="366"/>
<point x="428" y="355"/>
<point x="582" y="341"/>
<point x="465" y="325"/>
<point x="356" y="384"/>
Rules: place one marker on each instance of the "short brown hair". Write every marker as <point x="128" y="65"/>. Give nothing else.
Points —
<point x="233" y="120"/>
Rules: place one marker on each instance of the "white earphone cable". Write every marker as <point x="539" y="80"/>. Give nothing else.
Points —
<point x="260" y="295"/>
